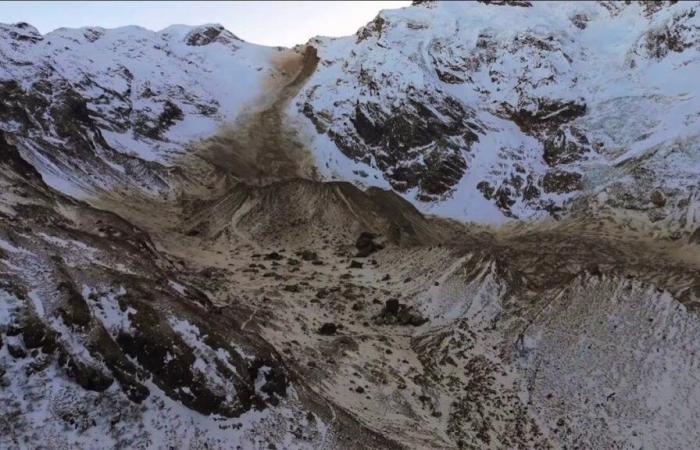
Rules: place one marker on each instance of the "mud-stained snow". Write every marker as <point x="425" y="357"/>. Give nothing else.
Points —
<point x="217" y="290"/>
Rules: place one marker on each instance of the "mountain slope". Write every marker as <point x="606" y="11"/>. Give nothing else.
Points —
<point x="482" y="112"/>
<point x="210" y="244"/>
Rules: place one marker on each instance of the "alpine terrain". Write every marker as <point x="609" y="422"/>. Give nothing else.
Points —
<point x="469" y="225"/>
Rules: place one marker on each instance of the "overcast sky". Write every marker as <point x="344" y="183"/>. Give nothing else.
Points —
<point x="269" y="23"/>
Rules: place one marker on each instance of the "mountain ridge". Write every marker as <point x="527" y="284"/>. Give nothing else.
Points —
<point x="405" y="238"/>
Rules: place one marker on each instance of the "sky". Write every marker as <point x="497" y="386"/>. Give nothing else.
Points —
<point x="268" y="23"/>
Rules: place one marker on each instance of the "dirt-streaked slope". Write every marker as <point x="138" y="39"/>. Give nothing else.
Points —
<point x="262" y="148"/>
<point x="226" y="297"/>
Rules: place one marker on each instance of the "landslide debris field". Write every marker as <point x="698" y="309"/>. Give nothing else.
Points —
<point x="427" y="332"/>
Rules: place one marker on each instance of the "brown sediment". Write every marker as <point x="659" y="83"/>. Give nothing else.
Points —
<point x="261" y="148"/>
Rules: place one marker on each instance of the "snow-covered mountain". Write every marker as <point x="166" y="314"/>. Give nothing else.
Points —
<point x="206" y="243"/>
<point x="479" y="112"/>
<point x="473" y="111"/>
<point x="142" y="96"/>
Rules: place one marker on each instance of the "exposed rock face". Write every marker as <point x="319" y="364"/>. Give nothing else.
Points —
<point x="442" y="104"/>
<point x="507" y="3"/>
<point x="125" y="102"/>
<point x="560" y="182"/>
<point x="395" y="313"/>
<point x="207" y="34"/>
<point x="565" y="146"/>
<point x="676" y="35"/>
<point x="439" y="133"/>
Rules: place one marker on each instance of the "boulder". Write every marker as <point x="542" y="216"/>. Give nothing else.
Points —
<point x="365" y="245"/>
<point x="327" y="329"/>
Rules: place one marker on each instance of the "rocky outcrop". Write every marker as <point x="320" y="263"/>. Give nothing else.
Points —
<point x="442" y="105"/>
<point x="416" y="145"/>
<point x="207" y="34"/>
<point x="395" y="313"/>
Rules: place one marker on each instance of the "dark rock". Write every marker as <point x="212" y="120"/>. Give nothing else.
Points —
<point x="560" y="149"/>
<point x="16" y="351"/>
<point x="291" y="288"/>
<point x="486" y="189"/>
<point x="35" y="334"/>
<point x="408" y="316"/>
<point x="153" y="342"/>
<point x="171" y="113"/>
<point x="89" y="377"/>
<point x="355" y="265"/>
<point x="203" y="37"/>
<point x="594" y="269"/>
<point x="674" y="36"/>
<point x="391" y="306"/>
<point x="211" y="33"/>
<point x="431" y="125"/>
<point x="273" y="256"/>
<point x="13" y="330"/>
<point x="167" y="118"/>
<point x="38" y="365"/>
<point x="560" y="181"/>
<point x="327" y="329"/>
<point x="580" y="21"/>
<point x="308" y="255"/>
<point x="210" y="273"/>
<point x="365" y="245"/>
<point x="122" y="369"/>
<point x="521" y="3"/>
<point x="276" y="383"/>
<point x="695" y="237"/>
<point x="549" y="115"/>
<point x="658" y="199"/>
<point x="74" y="311"/>
<point x="395" y="313"/>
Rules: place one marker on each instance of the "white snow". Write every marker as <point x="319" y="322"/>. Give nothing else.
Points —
<point x="106" y="308"/>
<point x="632" y="108"/>
<point x="36" y="302"/>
